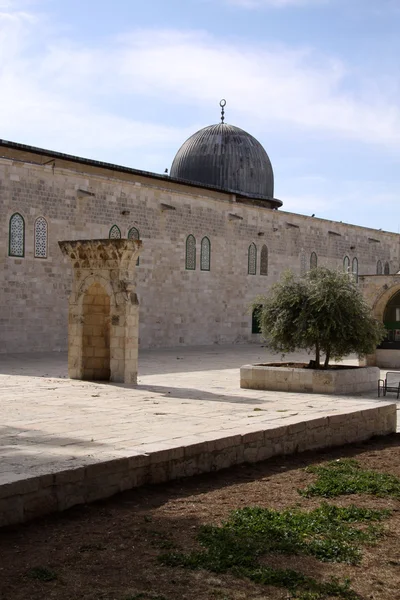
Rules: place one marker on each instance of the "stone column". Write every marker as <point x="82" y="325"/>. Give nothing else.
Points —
<point x="103" y="325"/>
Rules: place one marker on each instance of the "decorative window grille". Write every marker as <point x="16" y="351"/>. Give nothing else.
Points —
<point x="133" y="234"/>
<point x="303" y="263"/>
<point x="313" y="261"/>
<point x="205" y="254"/>
<point x="387" y="269"/>
<point x="17" y="236"/>
<point x="346" y="264"/>
<point x="115" y="233"/>
<point x="252" y="260"/>
<point x="264" y="261"/>
<point x="355" y="269"/>
<point x="40" y="238"/>
<point x="190" y="253"/>
<point x="379" y="269"/>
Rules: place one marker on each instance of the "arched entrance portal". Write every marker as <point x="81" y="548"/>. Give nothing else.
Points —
<point x="96" y="334"/>
<point x="391" y="320"/>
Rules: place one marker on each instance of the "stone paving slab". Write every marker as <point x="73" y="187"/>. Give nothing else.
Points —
<point x="187" y="403"/>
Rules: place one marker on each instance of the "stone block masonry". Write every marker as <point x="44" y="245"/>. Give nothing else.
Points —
<point x="23" y="498"/>
<point x="177" y="306"/>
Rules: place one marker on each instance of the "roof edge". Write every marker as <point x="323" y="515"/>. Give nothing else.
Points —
<point x="121" y="169"/>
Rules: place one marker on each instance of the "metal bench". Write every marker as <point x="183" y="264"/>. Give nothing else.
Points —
<point x="391" y="383"/>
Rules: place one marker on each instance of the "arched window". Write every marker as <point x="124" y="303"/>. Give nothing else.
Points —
<point x="303" y="263"/>
<point x="379" y="269"/>
<point x="252" y="260"/>
<point x="40" y="238"/>
<point x="133" y="234"/>
<point x="355" y="269"/>
<point x="205" y="254"/>
<point x="264" y="260"/>
<point x="190" y="262"/>
<point x="313" y="261"/>
<point x="387" y="269"/>
<point x="115" y="233"/>
<point x="346" y="264"/>
<point x="16" y="241"/>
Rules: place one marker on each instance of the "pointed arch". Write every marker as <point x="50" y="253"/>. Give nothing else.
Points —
<point x="313" y="261"/>
<point x="16" y="236"/>
<point x="190" y="260"/>
<point x="133" y="234"/>
<point x="303" y="263"/>
<point x="387" y="269"/>
<point x="40" y="241"/>
<point x="379" y="268"/>
<point x="205" y="254"/>
<point x="346" y="264"/>
<point x="264" y="260"/>
<point x="114" y="233"/>
<point x="354" y="269"/>
<point x="252" y="260"/>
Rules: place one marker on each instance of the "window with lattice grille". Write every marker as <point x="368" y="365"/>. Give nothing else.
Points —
<point x="133" y="234"/>
<point x="40" y="238"/>
<point x="252" y="260"/>
<point x="313" y="261"/>
<point x="303" y="263"/>
<point x="205" y="254"/>
<point x="264" y="261"/>
<point x="387" y="269"/>
<point x="16" y="244"/>
<point x="379" y="268"/>
<point x="190" y="261"/>
<point x="355" y="269"/>
<point x="346" y="264"/>
<point x="115" y="233"/>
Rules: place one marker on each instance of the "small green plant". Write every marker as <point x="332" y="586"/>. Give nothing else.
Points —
<point x="42" y="574"/>
<point x="145" y="596"/>
<point x="329" y="533"/>
<point x="345" y="477"/>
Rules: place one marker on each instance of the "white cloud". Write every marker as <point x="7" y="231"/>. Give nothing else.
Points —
<point x="63" y="95"/>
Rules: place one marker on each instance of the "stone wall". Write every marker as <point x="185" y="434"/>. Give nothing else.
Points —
<point x="177" y="306"/>
<point x="33" y="497"/>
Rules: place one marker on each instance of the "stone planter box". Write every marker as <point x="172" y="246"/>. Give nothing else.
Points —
<point x="345" y="380"/>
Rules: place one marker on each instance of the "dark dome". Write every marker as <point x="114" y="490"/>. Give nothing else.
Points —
<point x="227" y="157"/>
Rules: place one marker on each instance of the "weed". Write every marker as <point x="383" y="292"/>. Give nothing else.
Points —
<point x="344" y="477"/>
<point x="42" y="574"/>
<point x="329" y="533"/>
<point x="145" y="596"/>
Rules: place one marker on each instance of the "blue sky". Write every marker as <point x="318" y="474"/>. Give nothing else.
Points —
<point x="316" y="81"/>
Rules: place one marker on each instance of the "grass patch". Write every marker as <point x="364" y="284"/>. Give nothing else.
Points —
<point x="346" y="476"/>
<point x="329" y="533"/>
<point x="42" y="574"/>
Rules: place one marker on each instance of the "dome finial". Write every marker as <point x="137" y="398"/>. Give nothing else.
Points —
<point x="222" y="105"/>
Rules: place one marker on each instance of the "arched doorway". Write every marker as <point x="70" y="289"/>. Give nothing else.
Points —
<point x="96" y="334"/>
<point x="391" y="320"/>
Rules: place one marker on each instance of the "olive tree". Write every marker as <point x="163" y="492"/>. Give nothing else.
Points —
<point x="323" y="311"/>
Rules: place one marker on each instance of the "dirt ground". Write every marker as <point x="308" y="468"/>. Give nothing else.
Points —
<point x="109" y="550"/>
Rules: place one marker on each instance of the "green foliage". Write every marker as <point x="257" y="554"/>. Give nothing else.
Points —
<point x="42" y="574"/>
<point x="329" y="533"/>
<point x="323" y="311"/>
<point x="345" y="477"/>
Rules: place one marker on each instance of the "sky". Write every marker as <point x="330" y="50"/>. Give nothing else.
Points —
<point x="317" y="82"/>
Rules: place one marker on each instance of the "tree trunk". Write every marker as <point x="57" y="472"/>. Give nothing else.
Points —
<point x="327" y="357"/>
<point x="317" y="355"/>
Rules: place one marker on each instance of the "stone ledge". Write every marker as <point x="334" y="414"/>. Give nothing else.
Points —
<point x="28" y="498"/>
<point x="353" y="380"/>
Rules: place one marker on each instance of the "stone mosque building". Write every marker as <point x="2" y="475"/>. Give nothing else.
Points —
<point x="213" y="234"/>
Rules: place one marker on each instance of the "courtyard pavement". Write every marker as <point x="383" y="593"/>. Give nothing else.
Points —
<point x="49" y="423"/>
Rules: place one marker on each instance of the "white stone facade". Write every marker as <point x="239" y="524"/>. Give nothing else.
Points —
<point x="177" y="305"/>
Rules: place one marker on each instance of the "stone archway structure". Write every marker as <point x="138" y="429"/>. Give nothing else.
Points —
<point x="103" y="323"/>
<point x="378" y="290"/>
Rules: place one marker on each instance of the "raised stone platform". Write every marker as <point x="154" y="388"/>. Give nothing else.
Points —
<point x="67" y="442"/>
